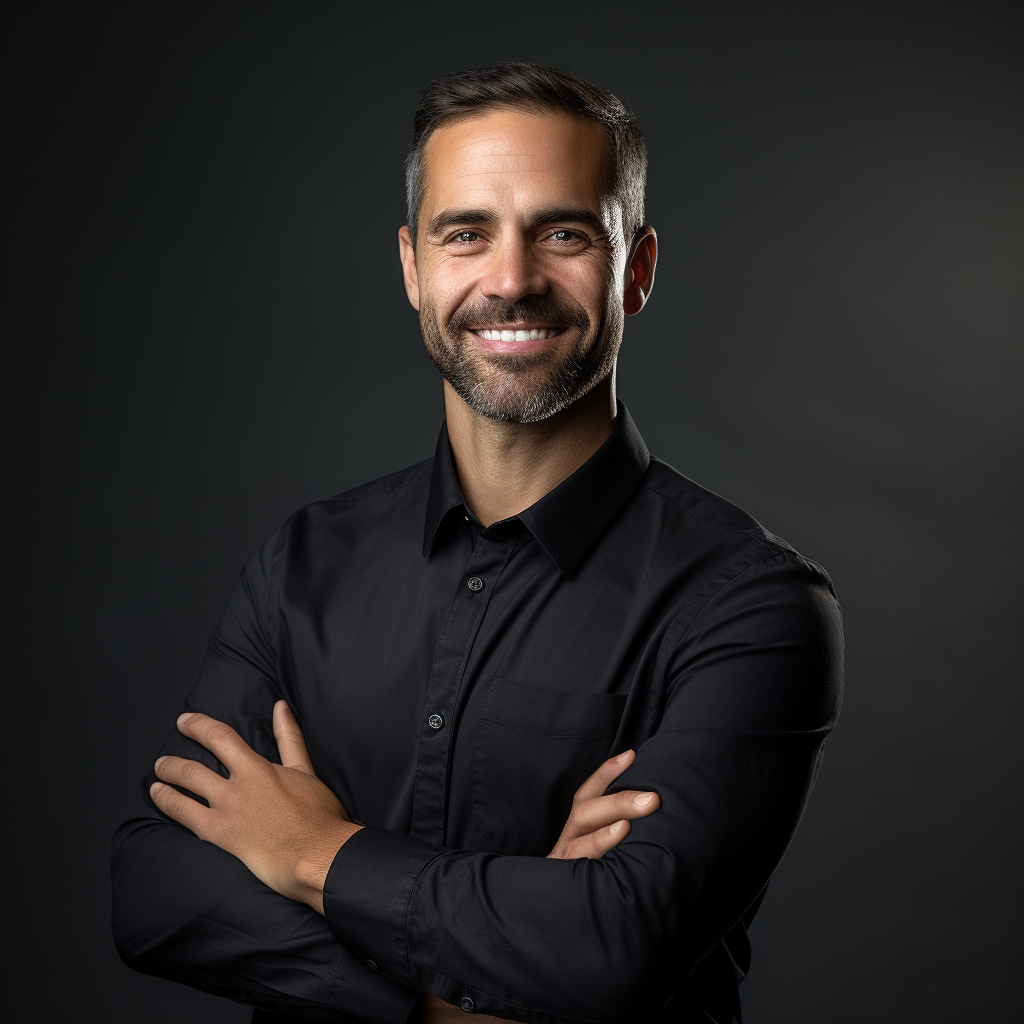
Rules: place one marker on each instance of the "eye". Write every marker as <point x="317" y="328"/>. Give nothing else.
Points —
<point x="565" y="238"/>
<point x="465" y="237"/>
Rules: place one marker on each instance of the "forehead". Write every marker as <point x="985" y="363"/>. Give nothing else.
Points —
<point x="517" y="158"/>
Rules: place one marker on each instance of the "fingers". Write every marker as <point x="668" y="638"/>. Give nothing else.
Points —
<point x="221" y="740"/>
<point x="602" y="811"/>
<point x="593" y="845"/>
<point x="599" y="821"/>
<point x="182" y="809"/>
<point x="605" y="839"/>
<point x="592" y="810"/>
<point x="290" y="742"/>
<point x="190" y="775"/>
<point x="605" y="775"/>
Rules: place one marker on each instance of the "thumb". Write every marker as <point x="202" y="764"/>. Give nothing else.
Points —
<point x="290" y="744"/>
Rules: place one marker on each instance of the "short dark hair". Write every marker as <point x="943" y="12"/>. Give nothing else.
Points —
<point x="516" y="84"/>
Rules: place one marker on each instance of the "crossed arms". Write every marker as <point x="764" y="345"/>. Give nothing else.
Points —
<point x="530" y="938"/>
<point x="286" y="826"/>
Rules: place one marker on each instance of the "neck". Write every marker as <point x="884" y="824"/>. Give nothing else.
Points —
<point x="503" y="468"/>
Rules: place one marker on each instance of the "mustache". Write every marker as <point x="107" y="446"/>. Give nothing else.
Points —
<point x="557" y="313"/>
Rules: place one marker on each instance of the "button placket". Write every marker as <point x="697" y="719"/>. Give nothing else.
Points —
<point x="469" y="605"/>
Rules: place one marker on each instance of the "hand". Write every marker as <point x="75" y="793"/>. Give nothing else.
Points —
<point x="598" y="823"/>
<point x="280" y="820"/>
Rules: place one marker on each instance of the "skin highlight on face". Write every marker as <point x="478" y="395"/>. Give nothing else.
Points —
<point x="518" y="271"/>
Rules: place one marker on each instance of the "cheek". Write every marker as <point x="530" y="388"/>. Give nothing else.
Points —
<point x="446" y="284"/>
<point x="591" y="280"/>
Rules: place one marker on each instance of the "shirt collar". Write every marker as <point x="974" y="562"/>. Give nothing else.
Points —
<point x="567" y="520"/>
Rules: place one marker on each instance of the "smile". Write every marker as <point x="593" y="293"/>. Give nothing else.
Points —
<point x="529" y="334"/>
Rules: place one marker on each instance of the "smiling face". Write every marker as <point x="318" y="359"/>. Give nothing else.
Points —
<point x="518" y="269"/>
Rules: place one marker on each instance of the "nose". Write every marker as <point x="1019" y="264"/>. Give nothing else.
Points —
<point x="512" y="271"/>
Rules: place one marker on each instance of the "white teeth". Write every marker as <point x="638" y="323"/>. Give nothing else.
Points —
<point x="532" y="335"/>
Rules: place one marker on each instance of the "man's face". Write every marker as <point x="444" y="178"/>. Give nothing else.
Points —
<point x="518" y="268"/>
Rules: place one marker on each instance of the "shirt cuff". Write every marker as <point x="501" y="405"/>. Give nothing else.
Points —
<point x="367" y="893"/>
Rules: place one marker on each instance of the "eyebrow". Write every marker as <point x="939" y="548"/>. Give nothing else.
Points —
<point x="450" y="218"/>
<point x="566" y="215"/>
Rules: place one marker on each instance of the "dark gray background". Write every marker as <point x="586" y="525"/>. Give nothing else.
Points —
<point x="216" y="333"/>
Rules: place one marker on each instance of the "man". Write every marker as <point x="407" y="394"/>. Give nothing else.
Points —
<point x="521" y="731"/>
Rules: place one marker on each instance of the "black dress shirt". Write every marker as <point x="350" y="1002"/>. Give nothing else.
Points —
<point x="455" y="685"/>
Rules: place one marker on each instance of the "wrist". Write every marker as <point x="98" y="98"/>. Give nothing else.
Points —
<point x="316" y="859"/>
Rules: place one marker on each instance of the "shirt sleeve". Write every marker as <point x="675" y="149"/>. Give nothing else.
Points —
<point x="752" y="685"/>
<point x="186" y="910"/>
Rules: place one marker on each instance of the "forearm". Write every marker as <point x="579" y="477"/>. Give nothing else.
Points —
<point x="190" y="912"/>
<point x="520" y="937"/>
<point x="532" y="939"/>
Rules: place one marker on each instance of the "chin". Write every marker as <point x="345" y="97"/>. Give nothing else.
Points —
<point x="511" y="402"/>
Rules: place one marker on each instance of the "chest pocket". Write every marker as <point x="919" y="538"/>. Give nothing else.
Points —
<point x="534" y="749"/>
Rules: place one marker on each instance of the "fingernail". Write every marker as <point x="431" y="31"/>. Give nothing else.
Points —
<point x="160" y="761"/>
<point x="183" y="718"/>
<point x="615" y="828"/>
<point x="643" y="799"/>
<point x="624" y="757"/>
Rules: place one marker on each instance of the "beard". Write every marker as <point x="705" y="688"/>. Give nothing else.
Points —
<point x="525" y="388"/>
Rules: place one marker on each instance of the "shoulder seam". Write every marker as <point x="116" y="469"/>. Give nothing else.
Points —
<point x="750" y="532"/>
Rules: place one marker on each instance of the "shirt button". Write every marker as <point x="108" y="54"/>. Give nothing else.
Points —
<point x="435" y="721"/>
<point x="475" y="583"/>
<point x="373" y="966"/>
<point x="467" y="1004"/>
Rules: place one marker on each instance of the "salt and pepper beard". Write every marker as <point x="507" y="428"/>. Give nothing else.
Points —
<point x="523" y="388"/>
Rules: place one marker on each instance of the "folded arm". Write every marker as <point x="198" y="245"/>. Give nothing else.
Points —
<point x="186" y="910"/>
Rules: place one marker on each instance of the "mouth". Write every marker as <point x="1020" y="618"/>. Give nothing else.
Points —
<point x="518" y="337"/>
<point x="516" y="333"/>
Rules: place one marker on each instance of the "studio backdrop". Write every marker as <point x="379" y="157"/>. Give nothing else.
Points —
<point x="216" y="333"/>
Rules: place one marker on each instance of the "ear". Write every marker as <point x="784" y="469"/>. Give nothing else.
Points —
<point x="640" y="272"/>
<point x="408" y="257"/>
